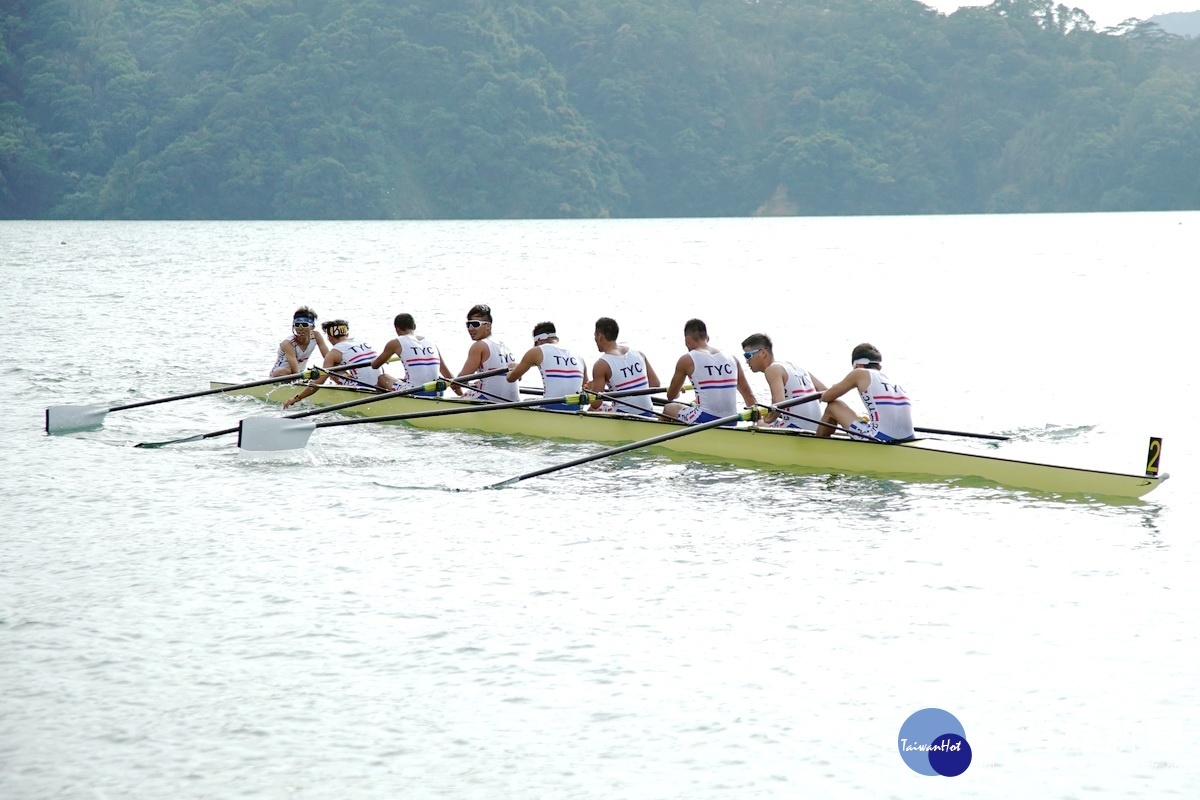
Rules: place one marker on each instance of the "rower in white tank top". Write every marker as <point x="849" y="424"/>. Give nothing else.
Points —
<point x="487" y="354"/>
<point x="346" y="351"/>
<point x="889" y="411"/>
<point x="716" y="378"/>
<point x="563" y="372"/>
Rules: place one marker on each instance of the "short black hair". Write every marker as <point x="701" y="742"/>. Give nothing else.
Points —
<point x="404" y="322"/>
<point x="545" y="327"/>
<point x="695" y="327"/>
<point x="757" y="340"/>
<point x="866" y="350"/>
<point x="608" y="328"/>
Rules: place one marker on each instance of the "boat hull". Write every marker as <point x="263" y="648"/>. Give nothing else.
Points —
<point x="789" y="450"/>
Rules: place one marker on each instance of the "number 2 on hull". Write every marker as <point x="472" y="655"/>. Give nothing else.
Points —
<point x="1153" y="455"/>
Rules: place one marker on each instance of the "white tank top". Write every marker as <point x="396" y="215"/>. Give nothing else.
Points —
<point x="888" y="408"/>
<point x="799" y="384"/>
<point x="354" y="352"/>
<point x="562" y="371"/>
<point x="714" y="377"/>
<point x="497" y="388"/>
<point x="420" y="357"/>
<point x="302" y="353"/>
<point x="629" y="372"/>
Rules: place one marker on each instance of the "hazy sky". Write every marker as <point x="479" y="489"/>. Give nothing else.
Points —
<point x="1105" y="13"/>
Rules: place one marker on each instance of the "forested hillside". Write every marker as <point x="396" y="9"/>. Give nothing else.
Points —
<point x="338" y="109"/>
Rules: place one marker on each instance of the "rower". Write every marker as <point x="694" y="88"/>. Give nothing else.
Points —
<point x="487" y="354"/>
<point x="620" y="367"/>
<point x="889" y="412"/>
<point x="786" y="381"/>
<point x="423" y="362"/>
<point x="563" y="372"/>
<point x="345" y="350"/>
<point x="717" y="378"/>
<point x="295" y="350"/>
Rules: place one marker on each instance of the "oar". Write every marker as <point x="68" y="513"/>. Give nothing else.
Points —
<point x="666" y="437"/>
<point x="281" y="433"/>
<point x="432" y="386"/>
<point x="992" y="436"/>
<point x="347" y="379"/>
<point x="77" y="417"/>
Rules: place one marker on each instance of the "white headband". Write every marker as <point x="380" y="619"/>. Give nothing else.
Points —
<point x="541" y="337"/>
<point x="862" y="362"/>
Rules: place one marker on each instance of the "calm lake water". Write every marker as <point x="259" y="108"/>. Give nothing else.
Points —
<point x="193" y="623"/>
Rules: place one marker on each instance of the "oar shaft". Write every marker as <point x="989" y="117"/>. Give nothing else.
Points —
<point x="625" y="448"/>
<point x="385" y="395"/>
<point x="475" y="408"/>
<point x="992" y="436"/>
<point x="233" y="388"/>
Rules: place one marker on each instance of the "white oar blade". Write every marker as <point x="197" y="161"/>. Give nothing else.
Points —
<point x="274" y="433"/>
<point x="74" y="418"/>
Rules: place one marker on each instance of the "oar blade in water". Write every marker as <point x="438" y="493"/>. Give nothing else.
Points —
<point x="74" y="418"/>
<point x="274" y="433"/>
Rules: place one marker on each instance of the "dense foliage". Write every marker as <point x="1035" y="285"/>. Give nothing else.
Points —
<point x="196" y="109"/>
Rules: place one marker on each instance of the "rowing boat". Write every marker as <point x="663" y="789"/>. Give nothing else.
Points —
<point x="791" y="450"/>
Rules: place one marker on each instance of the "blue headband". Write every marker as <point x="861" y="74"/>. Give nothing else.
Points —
<point x="309" y="320"/>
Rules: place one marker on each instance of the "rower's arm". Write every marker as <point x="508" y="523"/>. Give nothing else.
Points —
<point x="743" y="386"/>
<point x="853" y="380"/>
<point x="683" y="368"/>
<point x="650" y="376"/>
<point x="600" y="376"/>
<point x="331" y="360"/>
<point x="392" y="349"/>
<point x="475" y="358"/>
<point x="532" y="357"/>
<point x="289" y="352"/>
<point x="776" y="377"/>
<point x="322" y="345"/>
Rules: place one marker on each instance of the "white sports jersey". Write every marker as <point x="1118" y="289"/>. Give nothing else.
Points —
<point x="798" y="384"/>
<point x="354" y="352"/>
<point x="714" y="378"/>
<point x="302" y="353"/>
<point x="562" y="371"/>
<point x="421" y="359"/>
<point x="889" y="411"/>
<point x="497" y="389"/>
<point x="628" y="371"/>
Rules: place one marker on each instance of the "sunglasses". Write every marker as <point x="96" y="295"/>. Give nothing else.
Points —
<point x="302" y="325"/>
<point x="750" y="354"/>
<point x="476" y="323"/>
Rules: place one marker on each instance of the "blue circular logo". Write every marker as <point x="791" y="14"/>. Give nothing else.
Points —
<point x="933" y="742"/>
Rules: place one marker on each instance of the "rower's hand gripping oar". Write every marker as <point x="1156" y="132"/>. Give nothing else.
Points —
<point x="432" y="386"/>
<point x="276" y="433"/>
<point x="749" y="414"/>
<point x="79" y="417"/>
